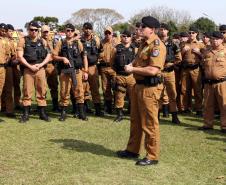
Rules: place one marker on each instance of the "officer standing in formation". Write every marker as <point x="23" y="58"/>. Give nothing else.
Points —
<point x="124" y="82"/>
<point x="173" y="57"/>
<point x="51" y="71"/>
<point x="214" y="66"/>
<point x="73" y="58"/>
<point x="146" y="94"/>
<point x="34" y="54"/>
<point x="91" y="44"/>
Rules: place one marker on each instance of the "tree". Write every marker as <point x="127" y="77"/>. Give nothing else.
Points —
<point x="100" y="18"/>
<point x="122" y="26"/>
<point x="204" y="24"/>
<point x="181" y="19"/>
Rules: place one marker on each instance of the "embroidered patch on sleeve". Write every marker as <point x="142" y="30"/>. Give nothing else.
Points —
<point x="155" y="53"/>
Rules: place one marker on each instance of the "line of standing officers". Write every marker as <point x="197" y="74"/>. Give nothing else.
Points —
<point x="150" y="69"/>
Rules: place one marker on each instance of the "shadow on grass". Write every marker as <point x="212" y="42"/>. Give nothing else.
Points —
<point x="83" y="146"/>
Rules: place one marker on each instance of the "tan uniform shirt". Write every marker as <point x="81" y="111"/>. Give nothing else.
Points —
<point x="108" y="52"/>
<point x="214" y="63"/>
<point x="151" y="53"/>
<point x="3" y="50"/>
<point x="189" y="56"/>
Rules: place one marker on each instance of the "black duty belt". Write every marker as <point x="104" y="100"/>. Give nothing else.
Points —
<point x="3" y="65"/>
<point x="169" y="69"/>
<point x="123" y="73"/>
<point x="208" y="81"/>
<point x="190" y="66"/>
<point x="102" y="64"/>
<point x="150" y="81"/>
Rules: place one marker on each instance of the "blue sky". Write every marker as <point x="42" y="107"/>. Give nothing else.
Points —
<point x="21" y="11"/>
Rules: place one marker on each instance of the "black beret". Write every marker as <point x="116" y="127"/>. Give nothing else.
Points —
<point x="3" y="26"/>
<point x="184" y="34"/>
<point x="34" y="24"/>
<point x="10" y="27"/>
<point x="88" y="25"/>
<point x="217" y="34"/>
<point x="164" y="25"/>
<point x="138" y="24"/>
<point x="127" y="33"/>
<point x="193" y="28"/>
<point x="222" y="27"/>
<point x="176" y="35"/>
<point x="207" y="34"/>
<point x="70" y="26"/>
<point x="150" y="22"/>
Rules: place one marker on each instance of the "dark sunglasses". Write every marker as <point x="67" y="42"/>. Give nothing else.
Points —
<point x="35" y="30"/>
<point x="69" y="30"/>
<point x="191" y="32"/>
<point x="223" y="32"/>
<point x="45" y="32"/>
<point x="126" y="36"/>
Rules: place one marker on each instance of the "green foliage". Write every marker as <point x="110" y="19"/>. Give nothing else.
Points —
<point x="204" y="24"/>
<point x="121" y="27"/>
<point x="46" y="20"/>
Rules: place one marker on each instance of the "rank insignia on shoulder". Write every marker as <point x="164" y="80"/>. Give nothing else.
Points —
<point x="155" y="53"/>
<point x="156" y="42"/>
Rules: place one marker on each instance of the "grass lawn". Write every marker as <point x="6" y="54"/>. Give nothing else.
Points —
<point x="77" y="152"/>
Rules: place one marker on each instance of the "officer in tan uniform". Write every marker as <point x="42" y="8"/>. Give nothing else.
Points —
<point x="92" y="45"/>
<point x="106" y="72"/>
<point x="173" y="57"/>
<point x="214" y="65"/>
<point x="34" y="54"/>
<point x="137" y="38"/>
<point x="191" y="73"/>
<point x="51" y="71"/>
<point x="124" y="55"/>
<point x="146" y="94"/>
<point x="222" y="29"/>
<point x="3" y="59"/>
<point x="12" y="75"/>
<point x="73" y="58"/>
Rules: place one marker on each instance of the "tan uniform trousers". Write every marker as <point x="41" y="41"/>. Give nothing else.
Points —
<point x="35" y="80"/>
<point x="191" y="78"/>
<point x="2" y="80"/>
<point x="107" y="75"/>
<point x="170" y="88"/>
<point x="52" y="81"/>
<point x="66" y="85"/>
<point x="16" y="82"/>
<point x="94" y="83"/>
<point x="86" y="88"/>
<point x="7" y="94"/>
<point x="124" y="84"/>
<point x="144" y="118"/>
<point x="214" y="94"/>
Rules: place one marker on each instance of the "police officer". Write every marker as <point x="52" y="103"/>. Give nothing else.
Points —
<point x="51" y="71"/>
<point x="106" y="72"/>
<point x="12" y="77"/>
<point x="146" y="94"/>
<point x="34" y="54"/>
<point x="222" y="29"/>
<point x="173" y="57"/>
<point x="3" y="58"/>
<point x="70" y="51"/>
<point x="137" y="38"/>
<point x="214" y="66"/>
<point x="124" y="55"/>
<point x="91" y="44"/>
<point x="191" y="73"/>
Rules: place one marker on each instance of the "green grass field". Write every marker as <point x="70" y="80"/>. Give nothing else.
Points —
<point x="77" y="152"/>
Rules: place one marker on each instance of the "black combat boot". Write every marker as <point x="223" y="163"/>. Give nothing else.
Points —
<point x="25" y="117"/>
<point x="198" y="113"/>
<point x="175" y="118"/>
<point x="43" y="115"/>
<point x="55" y="105"/>
<point x="86" y="107"/>
<point x="165" y="111"/>
<point x="119" y="115"/>
<point x="63" y="114"/>
<point x="81" y="112"/>
<point x="98" y="111"/>
<point x="108" y="106"/>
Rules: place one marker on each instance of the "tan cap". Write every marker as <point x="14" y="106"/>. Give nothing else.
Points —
<point x="109" y="28"/>
<point x="45" y="28"/>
